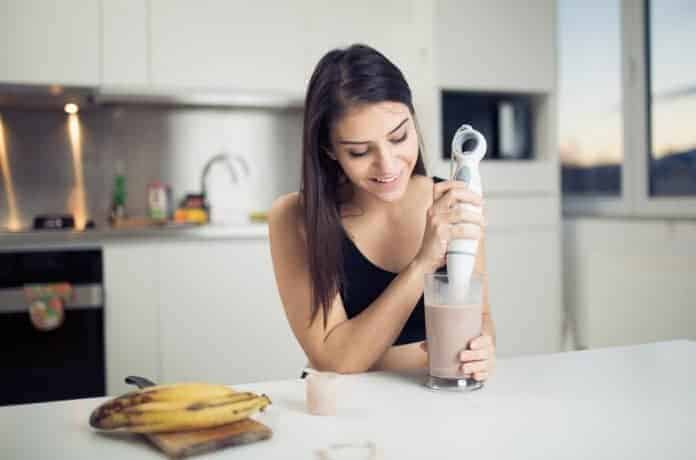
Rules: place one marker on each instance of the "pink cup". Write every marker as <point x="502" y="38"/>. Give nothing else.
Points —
<point x="321" y="388"/>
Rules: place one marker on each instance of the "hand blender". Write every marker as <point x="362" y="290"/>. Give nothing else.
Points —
<point x="461" y="253"/>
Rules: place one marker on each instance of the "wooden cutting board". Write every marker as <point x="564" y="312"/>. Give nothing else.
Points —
<point x="186" y="443"/>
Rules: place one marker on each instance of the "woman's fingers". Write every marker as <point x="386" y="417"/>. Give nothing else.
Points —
<point x="464" y="215"/>
<point x="445" y="223"/>
<point x="473" y="355"/>
<point x="481" y="342"/>
<point x="474" y="366"/>
<point x="464" y="224"/>
<point x="465" y="231"/>
<point x="441" y="188"/>
<point x="479" y="359"/>
<point x="459" y="194"/>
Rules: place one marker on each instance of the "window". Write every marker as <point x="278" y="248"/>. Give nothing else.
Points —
<point x="590" y="110"/>
<point x="627" y="107"/>
<point x="671" y="31"/>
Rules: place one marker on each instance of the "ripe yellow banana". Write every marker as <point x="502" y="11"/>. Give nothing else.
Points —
<point x="199" y="418"/>
<point x="184" y="403"/>
<point x="175" y="407"/>
<point x="187" y="391"/>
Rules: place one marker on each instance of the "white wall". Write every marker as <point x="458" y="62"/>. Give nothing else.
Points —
<point x="630" y="281"/>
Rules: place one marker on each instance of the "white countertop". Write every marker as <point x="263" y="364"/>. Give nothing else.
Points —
<point x="632" y="402"/>
<point x="90" y="238"/>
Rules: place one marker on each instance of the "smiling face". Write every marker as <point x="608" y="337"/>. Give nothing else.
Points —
<point x="377" y="148"/>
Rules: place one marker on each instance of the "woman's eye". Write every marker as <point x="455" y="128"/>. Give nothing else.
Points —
<point x="357" y="154"/>
<point x="401" y="139"/>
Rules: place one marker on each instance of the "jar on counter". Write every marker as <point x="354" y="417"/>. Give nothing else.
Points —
<point x="159" y="201"/>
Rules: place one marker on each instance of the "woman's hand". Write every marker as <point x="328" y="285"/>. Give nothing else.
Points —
<point x="478" y="361"/>
<point x="445" y="222"/>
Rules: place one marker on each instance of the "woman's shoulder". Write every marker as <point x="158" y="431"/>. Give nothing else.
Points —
<point x="424" y="183"/>
<point x="286" y="213"/>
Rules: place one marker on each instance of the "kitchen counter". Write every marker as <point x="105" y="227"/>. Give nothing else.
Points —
<point x="634" y="402"/>
<point x="91" y="238"/>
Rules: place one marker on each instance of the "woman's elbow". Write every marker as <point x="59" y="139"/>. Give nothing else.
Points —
<point x="343" y="364"/>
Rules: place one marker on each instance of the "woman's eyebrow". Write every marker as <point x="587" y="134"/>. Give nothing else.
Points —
<point x="367" y="142"/>
<point x="398" y="126"/>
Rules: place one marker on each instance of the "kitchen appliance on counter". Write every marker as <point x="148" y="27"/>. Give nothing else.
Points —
<point x="63" y="363"/>
<point x="506" y="120"/>
<point x="57" y="222"/>
<point x="51" y="223"/>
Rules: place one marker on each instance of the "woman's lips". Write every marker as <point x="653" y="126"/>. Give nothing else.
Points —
<point x="387" y="181"/>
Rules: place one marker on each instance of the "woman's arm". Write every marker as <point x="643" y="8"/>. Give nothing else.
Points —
<point x="345" y="345"/>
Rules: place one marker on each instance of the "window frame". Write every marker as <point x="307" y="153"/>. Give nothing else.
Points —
<point x="634" y="200"/>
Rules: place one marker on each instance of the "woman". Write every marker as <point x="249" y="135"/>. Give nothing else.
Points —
<point x="351" y="249"/>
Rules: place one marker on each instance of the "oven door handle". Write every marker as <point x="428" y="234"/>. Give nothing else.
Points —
<point x="13" y="300"/>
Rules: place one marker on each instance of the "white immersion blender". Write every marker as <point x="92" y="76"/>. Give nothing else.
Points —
<point x="461" y="253"/>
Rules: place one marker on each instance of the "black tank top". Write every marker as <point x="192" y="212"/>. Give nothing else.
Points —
<point x="364" y="282"/>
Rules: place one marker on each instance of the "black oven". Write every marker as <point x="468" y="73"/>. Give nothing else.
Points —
<point x="63" y="363"/>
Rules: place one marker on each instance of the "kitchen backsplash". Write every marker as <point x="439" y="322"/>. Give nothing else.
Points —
<point x="44" y="154"/>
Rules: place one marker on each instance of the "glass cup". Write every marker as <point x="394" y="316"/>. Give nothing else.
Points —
<point x="320" y="392"/>
<point x="452" y="319"/>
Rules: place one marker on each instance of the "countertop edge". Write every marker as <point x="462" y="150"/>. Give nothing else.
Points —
<point x="91" y="238"/>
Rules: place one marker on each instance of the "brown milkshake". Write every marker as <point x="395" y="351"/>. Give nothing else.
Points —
<point x="449" y="328"/>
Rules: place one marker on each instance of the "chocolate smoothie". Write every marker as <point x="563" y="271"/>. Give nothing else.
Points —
<point x="449" y="328"/>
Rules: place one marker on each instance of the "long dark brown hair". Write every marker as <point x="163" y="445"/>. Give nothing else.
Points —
<point x="343" y="78"/>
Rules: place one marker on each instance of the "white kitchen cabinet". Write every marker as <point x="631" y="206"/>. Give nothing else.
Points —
<point x="630" y="281"/>
<point x="388" y="26"/>
<point x="131" y="324"/>
<point x="227" y="44"/>
<point x="125" y="43"/>
<point x="524" y="273"/>
<point x="221" y="319"/>
<point x="50" y="42"/>
<point x="267" y="45"/>
<point x="502" y="45"/>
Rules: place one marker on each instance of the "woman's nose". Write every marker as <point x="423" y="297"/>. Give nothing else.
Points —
<point x="385" y="159"/>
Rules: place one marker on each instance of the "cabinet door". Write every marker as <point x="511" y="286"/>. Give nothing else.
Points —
<point x="227" y="44"/>
<point x="501" y="45"/>
<point x="388" y="26"/>
<point x="221" y="317"/>
<point x="267" y="45"/>
<point x="53" y="42"/>
<point x="124" y="43"/>
<point x="525" y="290"/>
<point x="131" y="325"/>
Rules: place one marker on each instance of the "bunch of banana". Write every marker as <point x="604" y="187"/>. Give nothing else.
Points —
<point x="177" y="407"/>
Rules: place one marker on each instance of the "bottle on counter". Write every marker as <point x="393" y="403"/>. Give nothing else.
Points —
<point x="118" y="197"/>
<point x="159" y="201"/>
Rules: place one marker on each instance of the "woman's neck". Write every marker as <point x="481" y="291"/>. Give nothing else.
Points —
<point x="360" y="202"/>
